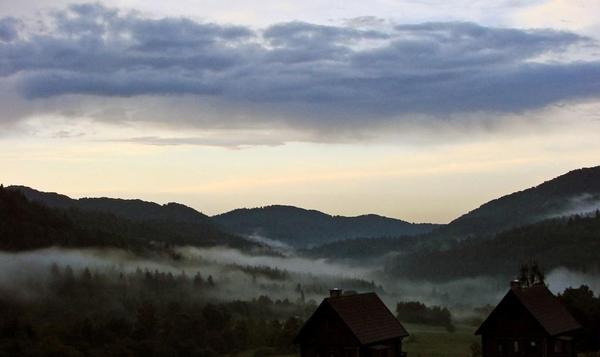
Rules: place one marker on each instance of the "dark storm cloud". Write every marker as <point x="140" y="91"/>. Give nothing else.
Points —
<point x="9" y="29"/>
<point x="305" y="73"/>
<point x="302" y="34"/>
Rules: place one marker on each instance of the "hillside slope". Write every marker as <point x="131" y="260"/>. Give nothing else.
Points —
<point x="26" y="225"/>
<point x="573" y="192"/>
<point x="136" y="210"/>
<point x="147" y="221"/>
<point x="573" y="243"/>
<point x="301" y="227"/>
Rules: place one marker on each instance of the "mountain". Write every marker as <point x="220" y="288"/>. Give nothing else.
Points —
<point x="574" y="192"/>
<point x="572" y="243"/>
<point x="26" y="225"/>
<point x="136" y="210"/>
<point x="136" y="219"/>
<point x="364" y="249"/>
<point x="301" y="227"/>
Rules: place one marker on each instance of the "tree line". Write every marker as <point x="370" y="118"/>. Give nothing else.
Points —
<point x="84" y="312"/>
<point x="562" y="242"/>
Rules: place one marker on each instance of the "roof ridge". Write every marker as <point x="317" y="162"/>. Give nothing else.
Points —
<point x="543" y="306"/>
<point x="357" y="318"/>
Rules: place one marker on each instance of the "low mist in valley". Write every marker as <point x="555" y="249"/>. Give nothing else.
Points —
<point x="264" y="179"/>
<point x="255" y="298"/>
<point x="75" y="278"/>
<point x="237" y="275"/>
<point x="242" y="275"/>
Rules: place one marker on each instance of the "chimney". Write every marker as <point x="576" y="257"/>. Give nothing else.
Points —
<point x="515" y="284"/>
<point x="335" y="292"/>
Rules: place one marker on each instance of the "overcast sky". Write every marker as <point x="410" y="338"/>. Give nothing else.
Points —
<point x="420" y="110"/>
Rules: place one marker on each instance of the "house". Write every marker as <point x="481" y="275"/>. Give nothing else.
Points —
<point x="529" y="321"/>
<point x="351" y="325"/>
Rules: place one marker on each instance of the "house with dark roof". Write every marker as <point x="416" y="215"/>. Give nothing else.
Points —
<point x="529" y="321"/>
<point x="351" y="325"/>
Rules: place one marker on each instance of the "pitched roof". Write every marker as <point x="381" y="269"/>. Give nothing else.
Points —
<point x="544" y="307"/>
<point x="366" y="316"/>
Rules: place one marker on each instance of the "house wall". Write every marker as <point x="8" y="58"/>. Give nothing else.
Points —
<point x="328" y="336"/>
<point x="546" y="347"/>
<point x="561" y="347"/>
<point x="512" y="332"/>
<point x="394" y="349"/>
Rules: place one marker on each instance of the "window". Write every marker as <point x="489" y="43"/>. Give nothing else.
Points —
<point x="559" y="346"/>
<point x="351" y="352"/>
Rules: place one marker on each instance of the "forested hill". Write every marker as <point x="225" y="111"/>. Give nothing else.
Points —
<point x="365" y="249"/>
<point x="574" y="192"/>
<point x="301" y="227"/>
<point x="31" y="219"/>
<point x="26" y="225"/>
<point x="137" y="210"/>
<point x="572" y="242"/>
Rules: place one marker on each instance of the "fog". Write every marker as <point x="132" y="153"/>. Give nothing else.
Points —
<point x="20" y="271"/>
<point x="290" y="263"/>
<point x="242" y="276"/>
<point x="272" y="243"/>
<point x="561" y="278"/>
<point x="584" y="204"/>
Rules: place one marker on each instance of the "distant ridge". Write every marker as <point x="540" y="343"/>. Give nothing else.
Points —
<point x="287" y="224"/>
<point x="574" y="192"/>
<point x="489" y="226"/>
<point x="171" y="223"/>
<point x="571" y="243"/>
<point x="302" y="227"/>
<point x="133" y="209"/>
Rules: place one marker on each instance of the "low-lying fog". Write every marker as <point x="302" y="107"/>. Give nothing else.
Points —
<point x="235" y="277"/>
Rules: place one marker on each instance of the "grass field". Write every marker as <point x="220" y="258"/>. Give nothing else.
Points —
<point x="250" y="353"/>
<point x="427" y="341"/>
<point x="433" y="341"/>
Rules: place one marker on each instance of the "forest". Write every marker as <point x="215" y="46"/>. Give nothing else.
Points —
<point x="95" y="277"/>
<point x="143" y="313"/>
<point x="561" y="242"/>
<point x="28" y="224"/>
<point x="68" y="311"/>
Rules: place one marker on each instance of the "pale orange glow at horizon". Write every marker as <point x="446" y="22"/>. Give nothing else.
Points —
<point x="427" y="183"/>
<point x="418" y="110"/>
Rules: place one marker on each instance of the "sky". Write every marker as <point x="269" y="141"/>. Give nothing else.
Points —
<point x="420" y="110"/>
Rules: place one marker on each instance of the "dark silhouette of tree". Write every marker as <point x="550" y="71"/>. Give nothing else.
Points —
<point x="198" y="281"/>
<point x="585" y="307"/>
<point x="417" y="312"/>
<point x="146" y="322"/>
<point x="531" y="274"/>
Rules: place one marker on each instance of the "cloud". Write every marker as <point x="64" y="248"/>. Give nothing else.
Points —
<point x="364" y="21"/>
<point x="225" y="141"/>
<point x="9" y="29"/>
<point x="583" y="204"/>
<point x="296" y="74"/>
